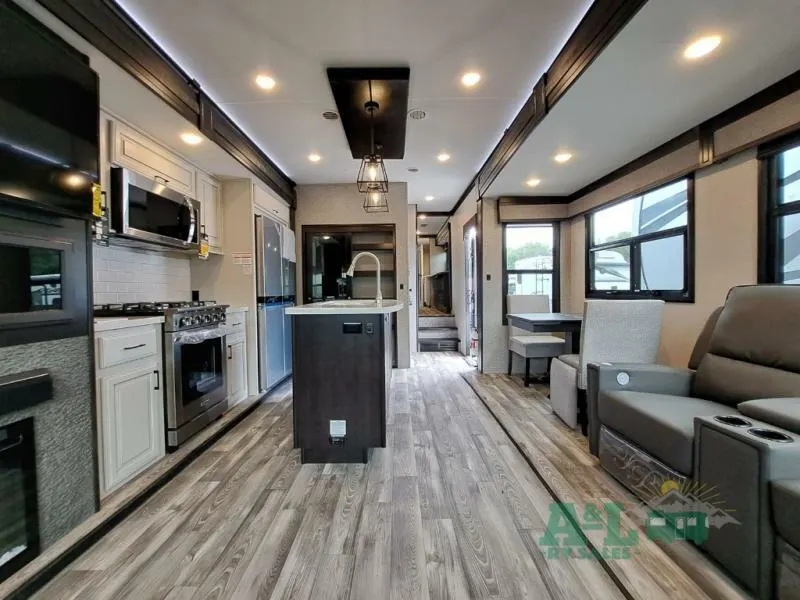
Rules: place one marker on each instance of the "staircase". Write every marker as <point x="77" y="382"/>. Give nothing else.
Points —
<point x="437" y="333"/>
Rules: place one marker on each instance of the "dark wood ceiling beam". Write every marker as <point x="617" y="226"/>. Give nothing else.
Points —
<point x="107" y="27"/>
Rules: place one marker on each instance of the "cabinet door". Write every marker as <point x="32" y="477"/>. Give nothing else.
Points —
<point x="132" y="420"/>
<point x="237" y="372"/>
<point x="211" y="212"/>
<point x="131" y="149"/>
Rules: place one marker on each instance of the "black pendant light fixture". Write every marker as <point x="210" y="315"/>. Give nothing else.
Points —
<point x="376" y="201"/>
<point x="372" y="179"/>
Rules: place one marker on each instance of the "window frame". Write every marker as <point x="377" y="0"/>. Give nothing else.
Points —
<point x="686" y="295"/>
<point x="555" y="272"/>
<point x="770" y="259"/>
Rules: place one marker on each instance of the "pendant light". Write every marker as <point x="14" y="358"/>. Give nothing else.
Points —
<point x="372" y="174"/>
<point x="376" y="201"/>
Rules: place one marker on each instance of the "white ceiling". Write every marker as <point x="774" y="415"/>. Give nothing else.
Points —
<point x="223" y="44"/>
<point x="430" y="225"/>
<point x="641" y="92"/>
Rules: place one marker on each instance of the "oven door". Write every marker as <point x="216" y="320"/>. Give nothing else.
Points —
<point x="148" y="210"/>
<point x="43" y="276"/>
<point x="199" y="373"/>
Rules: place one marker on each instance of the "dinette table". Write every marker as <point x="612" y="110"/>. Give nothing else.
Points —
<point x="567" y="323"/>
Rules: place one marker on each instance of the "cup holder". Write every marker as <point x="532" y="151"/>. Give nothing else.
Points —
<point x="769" y="434"/>
<point x="733" y="421"/>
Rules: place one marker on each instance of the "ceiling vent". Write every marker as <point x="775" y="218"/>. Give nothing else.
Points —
<point x="413" y="170"/>
<point x="329" y="115"/>
<point x="417" y="114"/>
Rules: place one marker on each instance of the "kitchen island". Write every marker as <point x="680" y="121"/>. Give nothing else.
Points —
<point x="342" y="366"/>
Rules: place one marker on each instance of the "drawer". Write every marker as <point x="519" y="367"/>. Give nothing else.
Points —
<point x="236" y="319"/>
<point x="119" y="347"/>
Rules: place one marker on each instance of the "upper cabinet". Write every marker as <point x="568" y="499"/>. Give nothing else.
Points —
<point x="208" y="194"/>
<point x="131" y="149"/>
<point x="277" y="209"/>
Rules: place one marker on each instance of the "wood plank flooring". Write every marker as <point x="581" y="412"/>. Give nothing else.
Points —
<point x="450" y="509"/>
<point x="561" y="456"/>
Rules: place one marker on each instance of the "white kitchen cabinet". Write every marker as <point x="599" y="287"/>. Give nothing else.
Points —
<point x="130" y="403"/>
<point x="237" y="369"/>
<point x="208" y="195"/>
<point x="237" y="357"/>
<point x="129" y="148"/>
<point x="270" y="205"/>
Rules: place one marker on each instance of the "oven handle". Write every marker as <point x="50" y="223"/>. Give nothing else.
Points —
<point x="198" y="337"/>
<point x="14" y="444"/>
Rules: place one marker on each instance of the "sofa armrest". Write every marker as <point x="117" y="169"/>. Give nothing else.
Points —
<point x="780" y="412"/>
<point x="604" y="377"/>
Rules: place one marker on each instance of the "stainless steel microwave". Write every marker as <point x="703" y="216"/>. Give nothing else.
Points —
<point x="147" y="210"/>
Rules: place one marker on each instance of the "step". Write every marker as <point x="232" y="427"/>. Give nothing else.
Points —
<point x="438" y="333"/>
<point x="437" y="345"/>
<point x="429" y="322"/>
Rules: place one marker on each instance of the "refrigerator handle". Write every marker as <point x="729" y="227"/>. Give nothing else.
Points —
<point x="261" y="284"/>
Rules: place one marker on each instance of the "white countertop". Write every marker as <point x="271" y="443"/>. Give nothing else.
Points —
<point x="346" y="307"/>
<point x="236" y="309"/>
<point x="112" y="323"/>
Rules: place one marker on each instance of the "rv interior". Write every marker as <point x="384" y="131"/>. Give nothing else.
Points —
<point x="444" y="299"/>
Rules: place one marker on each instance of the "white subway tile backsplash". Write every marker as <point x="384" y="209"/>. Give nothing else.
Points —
<point x="133" y="275"/>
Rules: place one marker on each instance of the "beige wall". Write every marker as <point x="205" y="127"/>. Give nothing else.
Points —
<point x="726" y="251"/>
<point x="341" y="204"/>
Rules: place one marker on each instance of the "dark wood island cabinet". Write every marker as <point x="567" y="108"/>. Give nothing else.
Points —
<point x="342" y="369"/>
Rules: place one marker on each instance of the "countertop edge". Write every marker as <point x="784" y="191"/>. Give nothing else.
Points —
<point x="308" y="309"/>
<point x="112" y="323"/>
<point x="236" y="309"/>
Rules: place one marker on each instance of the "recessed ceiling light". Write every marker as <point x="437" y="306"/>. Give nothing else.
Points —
<point x="265" y="82"/>
<point x="423" y="217"/>
<point x="413" y="170"/>
<point x="326" y="237"/>
<point x="443" y="157"/>
<point x="314" y="157"/>
<point x="419" y="232"/>
<point x="701" y="47"/>
<point x="533" y="182"/>
<point x="470" y="78"/>
<point x="562" y="157"/>
<point x="428" y="198"/>
<point x="191" y="138"/>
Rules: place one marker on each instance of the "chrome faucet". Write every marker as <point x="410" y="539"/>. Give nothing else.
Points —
<point x="378" y="297"/>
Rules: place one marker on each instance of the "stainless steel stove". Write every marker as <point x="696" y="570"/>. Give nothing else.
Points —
<point x="195" y="361"/>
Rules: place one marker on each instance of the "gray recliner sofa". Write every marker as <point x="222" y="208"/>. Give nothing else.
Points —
<point x="732" y="425"/>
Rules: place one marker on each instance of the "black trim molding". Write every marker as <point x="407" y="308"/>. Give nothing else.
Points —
<point x="105" y="25"/>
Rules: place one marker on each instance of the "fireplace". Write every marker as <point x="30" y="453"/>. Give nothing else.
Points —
<point x="19" y="515"/>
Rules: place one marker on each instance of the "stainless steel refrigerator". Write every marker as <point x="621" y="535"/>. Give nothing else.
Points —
<point x="275" y="291"/>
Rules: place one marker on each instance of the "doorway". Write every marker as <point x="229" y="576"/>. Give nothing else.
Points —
<point x="471" y="292"/>
<point x="437" y="328"/>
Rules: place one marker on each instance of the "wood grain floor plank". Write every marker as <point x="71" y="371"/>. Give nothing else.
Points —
<point x="408" y="577"/>
<point x="445" y="573"/>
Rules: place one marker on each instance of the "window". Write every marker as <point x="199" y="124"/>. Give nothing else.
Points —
<point x="530" y="261"/>
<point x="780" y="249"/>
<point x="641" y="247"/>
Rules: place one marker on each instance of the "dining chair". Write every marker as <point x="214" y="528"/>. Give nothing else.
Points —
<point x="612" y="331"/>
<point x="531" y="345"/>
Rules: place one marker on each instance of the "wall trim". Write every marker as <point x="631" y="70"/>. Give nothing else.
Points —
<point x="107" y="27"/>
